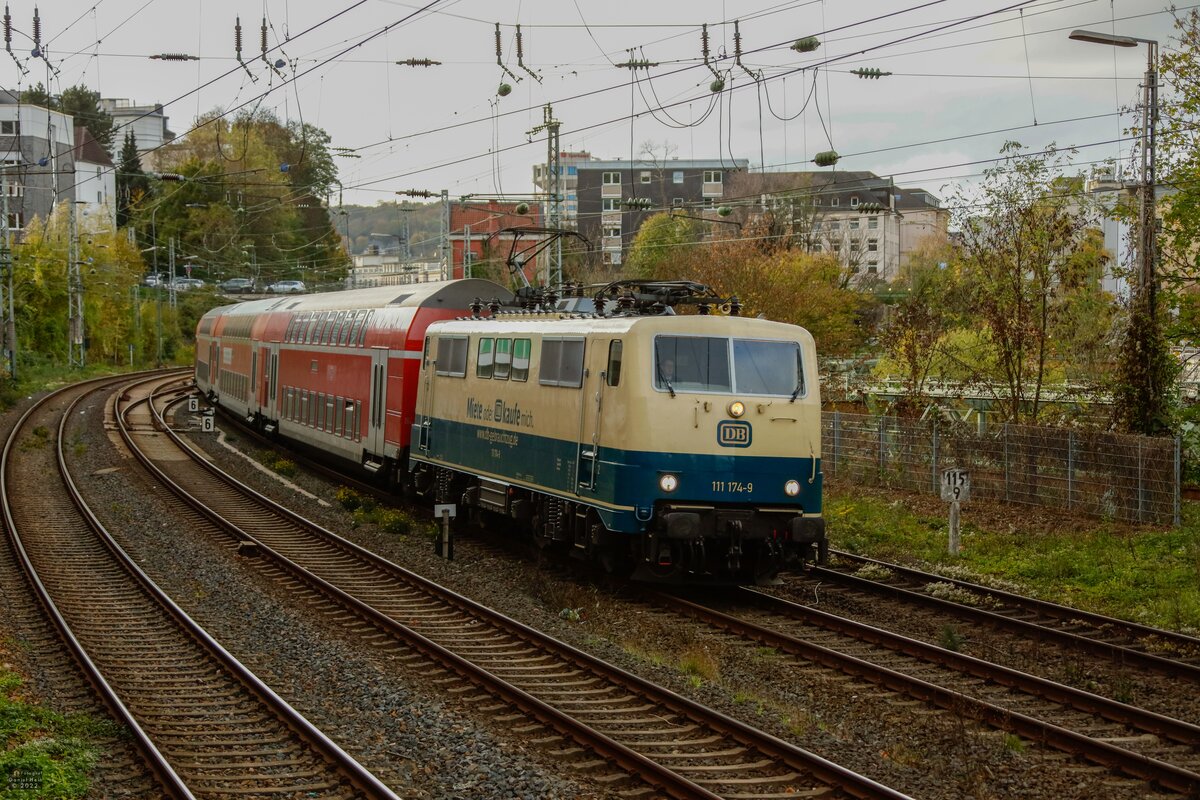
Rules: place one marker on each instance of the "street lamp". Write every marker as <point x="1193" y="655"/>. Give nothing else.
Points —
<point x="1146" y="205"/>
<point x="1145" y="359"/>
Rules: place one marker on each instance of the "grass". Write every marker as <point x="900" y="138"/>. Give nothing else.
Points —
<point x="46" y="754"/>
<point x="1150" y="575"/>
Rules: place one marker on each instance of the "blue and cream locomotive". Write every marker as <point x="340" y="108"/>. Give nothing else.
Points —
<point x="682" y="448"/>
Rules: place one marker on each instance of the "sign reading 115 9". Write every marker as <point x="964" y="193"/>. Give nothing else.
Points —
<point x="956" y="485"/>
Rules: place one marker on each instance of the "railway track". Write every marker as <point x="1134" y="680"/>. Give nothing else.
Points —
<point x="204" y="724"/>
<point x="1126" y="739"/>
<point x="677" y="746"/>
<point x="1124" y="643"/>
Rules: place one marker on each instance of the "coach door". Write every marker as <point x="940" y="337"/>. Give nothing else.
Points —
<point x="271" y="379"/>
<point x="377" y="413"/>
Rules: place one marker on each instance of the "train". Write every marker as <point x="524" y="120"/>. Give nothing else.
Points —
<point x="677" y="448"/>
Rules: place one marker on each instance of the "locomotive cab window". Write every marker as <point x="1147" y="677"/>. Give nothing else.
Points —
<point x="452" y="356"/>
<point x="692" y="364"/>
<point x="561" y="362"/>
<point x="768" y="367"/>
<point x="503" y="359"/>
<point x="520" y="359"/>
<point x="483" y="359"/>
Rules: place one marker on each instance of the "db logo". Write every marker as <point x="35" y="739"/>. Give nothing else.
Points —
<point x="734" y="433"/>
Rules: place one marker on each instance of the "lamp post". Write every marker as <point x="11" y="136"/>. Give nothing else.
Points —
<point x="1146" y="363"/>
<point x="1147" y="250"/>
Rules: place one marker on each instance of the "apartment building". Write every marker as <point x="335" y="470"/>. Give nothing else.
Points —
<point x="616" y="197"/>
<point x="37" y="161"/>
<point x="868" y="223"/>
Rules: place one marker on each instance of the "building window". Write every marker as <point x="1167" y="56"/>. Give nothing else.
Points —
<point x="873" y="223"/>
<point x="853" y="224"/>
<point x="10" y="127"/>
<point x="835" y="225"/>
<point x="872" y="245"/>
<point x="854" y="246"/>
<point x="644" y="176"/>
<point x="816" y="248"/>
<point x="16" y="220"/>
<point x="712" y="176"/>
<point x="677" y="202"/>
<point x="873" y="268"/>
<point x="710" y="202"/>
<point x="611" y="204"/>
<point x="572" y="170"/>
<point x="612" y="232"/>
<point x="837" y="247"/>
<point x="854" y="201"/>
<point x="612" y="179"/>
<point x="677" y="176"/>
<point x="837" y="201"/>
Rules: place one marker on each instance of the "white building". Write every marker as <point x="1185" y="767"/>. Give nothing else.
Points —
<point x="387" y="269"/>
<point x="148" y="124"/>
<point x="95" y="178"/>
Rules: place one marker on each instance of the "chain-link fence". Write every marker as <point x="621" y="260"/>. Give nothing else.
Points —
<point x="1110" y="475"/>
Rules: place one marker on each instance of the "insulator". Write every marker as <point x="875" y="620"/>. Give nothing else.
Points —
<point x="37" y="29"/>
<point x="826" y="158"/>
<point x="263" y="36"/>
<point x="520" y="47"/>
<point x="806" y="45"/>
<point x="7" y="29"/>
<point x="174" y="57"/>
<point x="704" y="40"/>
<point x="870" y="73"/>
<point x="237" y="38"/>
<point x="498" y="43"/>
<point x="737" y="42"/>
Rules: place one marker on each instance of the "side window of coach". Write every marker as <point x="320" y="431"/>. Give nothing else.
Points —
<point x="520" y="359"/>
<point x="452" y="356"/>
<point x="561" y="363"/>
<point x="503" y="359"/>
<point x="483" y="359"/>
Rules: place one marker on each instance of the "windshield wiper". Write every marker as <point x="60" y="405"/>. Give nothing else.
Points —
<point x="796" y="393"/>
<point x="663" y="378"/>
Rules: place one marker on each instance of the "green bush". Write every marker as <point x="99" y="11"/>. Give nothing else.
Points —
<point x="347" y="498"/>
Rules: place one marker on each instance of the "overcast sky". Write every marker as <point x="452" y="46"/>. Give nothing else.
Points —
<point x="960" y="69"/>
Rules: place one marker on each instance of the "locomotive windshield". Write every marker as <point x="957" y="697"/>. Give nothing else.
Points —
<point x="702" y="364"/>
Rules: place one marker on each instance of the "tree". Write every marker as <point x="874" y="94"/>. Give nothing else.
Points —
<point x="1023" y="237"/>
<point x="661" y="240"/>
<point x="131" y="182"/>
<point x="84" y="105"/>
<point x="914" y="336"/>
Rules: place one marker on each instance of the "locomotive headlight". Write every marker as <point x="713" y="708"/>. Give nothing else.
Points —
<point x="736" y="409"/>
<point x="791" y="488"/>
<point x="669" y="483"/>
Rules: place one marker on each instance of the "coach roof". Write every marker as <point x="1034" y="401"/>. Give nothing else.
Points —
<point x="444" y="294"/>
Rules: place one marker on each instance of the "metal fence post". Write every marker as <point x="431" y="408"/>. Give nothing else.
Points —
<point x="1178" y="492"/>
<point x="1070" y="467"/>
<point x="934" y="461"/>
<point x="1139" y="469"/>
<point x="1006" y="462"/>
<point x="837" y="437"/>
<point x="882" y="449"/>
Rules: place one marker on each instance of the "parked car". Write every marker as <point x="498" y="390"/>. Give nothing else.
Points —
<point x="237" y="285"/>
<point x="154" y="279"/>
<point x="287" y="287"/>
<point x="186" y="284"/>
